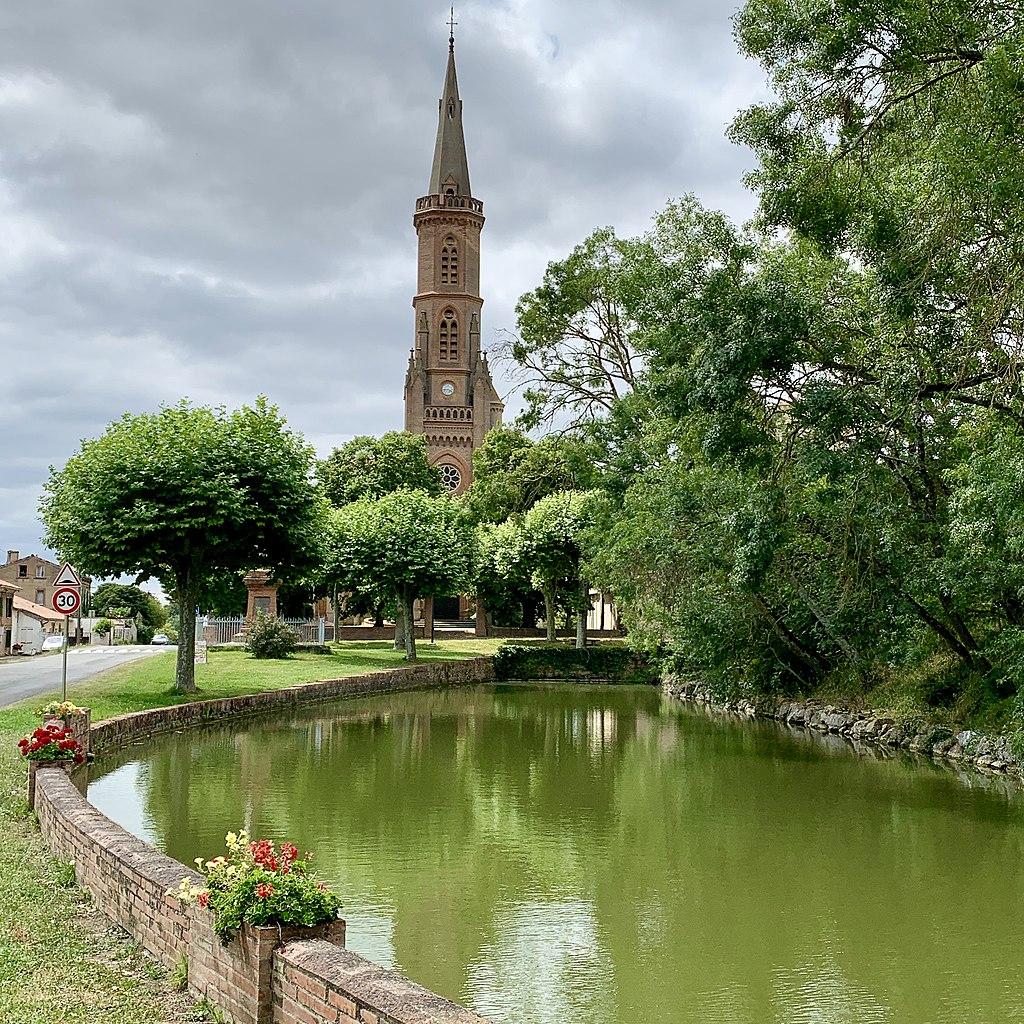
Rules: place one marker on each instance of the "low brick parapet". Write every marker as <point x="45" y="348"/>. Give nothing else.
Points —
<point x="317" y="981"/>
<point x="128" y="879"/>
<point x="254" y="979"/>
<point x="136" y="726"/>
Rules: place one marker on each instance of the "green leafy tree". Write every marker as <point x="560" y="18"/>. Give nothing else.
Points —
<point x="803" y="437"/>
<point x="126" y="601"/>
<point x="349" y="551"/>
<point x="557" y="536"/>
<point x="502" y="577"/>
<point x="576" y="353"/>
<point x="370" y="467"/>
<point x="511" y="472"/>
<point x="183" y="495"/>
<point x="408" y="544"/>
<point x="895" y="136"/>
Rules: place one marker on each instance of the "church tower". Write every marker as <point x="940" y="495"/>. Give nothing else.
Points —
<point x="449" y="395"/>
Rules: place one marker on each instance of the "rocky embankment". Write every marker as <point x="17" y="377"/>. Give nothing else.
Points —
<point x="988" y="753"/>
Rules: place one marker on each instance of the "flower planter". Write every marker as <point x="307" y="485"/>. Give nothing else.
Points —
<point x="80" y="726"/>
<point x="237" y="978"/>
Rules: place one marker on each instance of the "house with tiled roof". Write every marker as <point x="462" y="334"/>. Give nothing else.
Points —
<point x="33" y="623"/>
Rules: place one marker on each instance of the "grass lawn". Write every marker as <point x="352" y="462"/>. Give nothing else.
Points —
<point x="60" y="960"/>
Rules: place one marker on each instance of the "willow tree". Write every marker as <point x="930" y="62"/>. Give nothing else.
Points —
<point x="183" y="496"/>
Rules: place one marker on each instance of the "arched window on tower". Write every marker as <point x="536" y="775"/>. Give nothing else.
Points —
<point x="450" y="262"/>
<point x="449" y="336"/>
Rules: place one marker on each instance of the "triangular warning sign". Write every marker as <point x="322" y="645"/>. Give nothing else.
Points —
<point x="67" y="577"/>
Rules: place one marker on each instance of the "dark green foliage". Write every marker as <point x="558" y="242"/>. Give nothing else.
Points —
<point x="615" y="663"/>
<point x="123" y="601"/>
<point x="268" y="637"/>
<point x="818" y="472"/>
<point x="511" y="472"/>
<point x="576" y="352"/>
<point x="405" y="545"/>
<point x="370" y="467"/>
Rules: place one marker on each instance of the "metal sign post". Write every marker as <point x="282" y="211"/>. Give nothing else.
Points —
<point x="66" y="599"/>
<point x="64" y="667"/>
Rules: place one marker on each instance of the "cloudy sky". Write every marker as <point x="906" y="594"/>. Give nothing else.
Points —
<point x="214" y="200"/>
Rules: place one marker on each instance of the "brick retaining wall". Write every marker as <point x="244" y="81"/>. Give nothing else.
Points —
<point x="140" y="725"/>
<point x="311" y="979"/>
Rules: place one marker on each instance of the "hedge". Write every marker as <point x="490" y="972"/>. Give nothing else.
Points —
<point x="602" y="661"/>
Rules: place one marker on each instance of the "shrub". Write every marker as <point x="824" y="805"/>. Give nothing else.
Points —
<point x="51" y="743"/>
<point x="259" y="883"/>
<point x="144" y="634"/>
<point x="603" y="661"/>
<point x="269" y="637"/>
<point x="103" y="627"/>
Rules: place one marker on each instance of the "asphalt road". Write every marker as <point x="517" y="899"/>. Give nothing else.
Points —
<point x="40" y="674"/>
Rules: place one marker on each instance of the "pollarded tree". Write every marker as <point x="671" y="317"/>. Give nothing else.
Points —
<point x="349" y="549"/>
<point x="502" y="577"/>
<point x="408" y="544"/>
<point x="557" y="537"/>
<point x="182" y="496"/>
<point x="370" y="467"/>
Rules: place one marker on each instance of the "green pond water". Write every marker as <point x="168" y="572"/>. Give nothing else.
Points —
<point x="604" y="855"/>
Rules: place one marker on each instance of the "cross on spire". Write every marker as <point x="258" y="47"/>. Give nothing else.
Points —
<point x="451" y="28"/>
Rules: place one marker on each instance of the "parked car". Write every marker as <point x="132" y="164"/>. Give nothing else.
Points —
<point x="160" y="638"/>
<point x="53" y="643"/>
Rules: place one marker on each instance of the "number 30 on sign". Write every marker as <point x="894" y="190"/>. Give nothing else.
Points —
<point x="67" y="600"/>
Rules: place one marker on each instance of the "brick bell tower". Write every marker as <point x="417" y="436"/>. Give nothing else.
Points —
<point x="449" y="395"/>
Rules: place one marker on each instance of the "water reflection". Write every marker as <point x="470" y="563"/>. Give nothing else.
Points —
<point x="597" y="855"/>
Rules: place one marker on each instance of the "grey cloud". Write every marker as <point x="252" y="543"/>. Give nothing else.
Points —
<point x="216" y="200"/>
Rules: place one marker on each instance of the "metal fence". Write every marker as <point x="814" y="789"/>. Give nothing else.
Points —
<point x="312" y="631"/>
<point x="307" y="631"/>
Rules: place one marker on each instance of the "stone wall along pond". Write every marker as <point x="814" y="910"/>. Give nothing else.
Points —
<point x="265" y="975"/>
<point x="988" y="753"/>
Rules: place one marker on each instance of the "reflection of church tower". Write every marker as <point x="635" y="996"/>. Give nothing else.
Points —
<point x="449" y="395"/>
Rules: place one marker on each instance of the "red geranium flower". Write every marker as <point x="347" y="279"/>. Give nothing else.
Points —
<point x="264" y="891"/>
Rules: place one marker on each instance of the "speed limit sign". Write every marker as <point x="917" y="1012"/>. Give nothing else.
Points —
<point x="67" y="600"/>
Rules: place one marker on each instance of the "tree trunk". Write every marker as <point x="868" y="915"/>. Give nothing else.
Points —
<point x="400" y="624"/>
<point x="852" y="655"/>
<point x="187" y="596"/>
<point x="410" y="630"/>
<point x="337" y="612"/>
<point x="549" y="612"/>
<point x="581" y="617"/>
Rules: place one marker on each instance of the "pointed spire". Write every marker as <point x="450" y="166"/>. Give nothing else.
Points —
<point x="451" y="168"/>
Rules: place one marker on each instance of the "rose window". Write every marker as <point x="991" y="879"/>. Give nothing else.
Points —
<point x="451" y="478"/>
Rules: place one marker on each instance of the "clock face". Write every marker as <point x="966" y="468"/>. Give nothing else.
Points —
<point x="447" y="389"/>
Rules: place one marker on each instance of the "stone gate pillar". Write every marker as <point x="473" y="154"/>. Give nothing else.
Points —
<point x="262" y="589"/>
